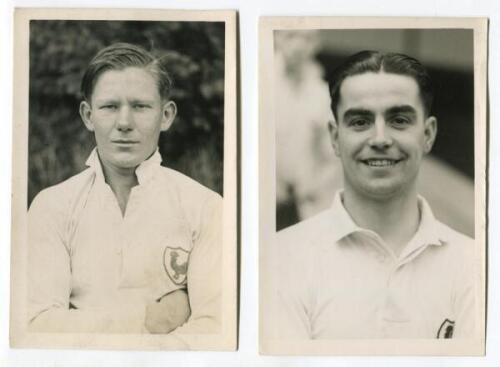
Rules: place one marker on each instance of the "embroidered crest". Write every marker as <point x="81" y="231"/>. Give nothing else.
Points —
<point x="175" y="261"/>
<point x="446" y="329"/>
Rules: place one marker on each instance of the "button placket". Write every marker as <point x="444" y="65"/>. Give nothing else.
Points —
<point x="392" y="272"/>
<point x="130" y="239"/>
<point x="125" y="234"/>
<point x="110" y="208"/>
<point x="132" y="202"/>
<point x="394" y="313"/>
<point x="381" y="257"/>
<point x="124" y="249"/>
<point x="388" y="309"/>
<point x="387" y="266"/>
<point x="126" y="223"/>
<point x="381" y="252"/>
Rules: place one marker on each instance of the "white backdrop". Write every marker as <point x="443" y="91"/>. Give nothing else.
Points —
<point x="249" y="13"/>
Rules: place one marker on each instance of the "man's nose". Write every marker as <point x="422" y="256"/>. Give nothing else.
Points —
<point x="381" y="137"/>
<point x="124" y="119"/>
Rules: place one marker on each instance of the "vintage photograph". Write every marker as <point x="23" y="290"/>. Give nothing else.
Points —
<point x="124" y="203"/>
<point x="372" y="219"/>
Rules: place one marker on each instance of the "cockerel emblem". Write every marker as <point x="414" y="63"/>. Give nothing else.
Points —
<point x="176" y="261"/>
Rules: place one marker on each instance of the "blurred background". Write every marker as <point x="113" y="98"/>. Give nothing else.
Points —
<point x="60" y="51"/>
<point x="307" y="171"/>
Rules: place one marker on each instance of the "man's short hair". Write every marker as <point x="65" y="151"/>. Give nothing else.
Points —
<point x="119" y="56"/>
<point x="375" y="61"/>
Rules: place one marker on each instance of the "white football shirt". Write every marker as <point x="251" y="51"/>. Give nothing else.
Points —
<point x="84" y="254"/>
<point x="331" y="279"/>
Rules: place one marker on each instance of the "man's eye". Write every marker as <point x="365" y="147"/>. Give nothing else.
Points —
<point x="108" y="107"/>
<point x="400" y="121"/>
<point x="359" y="123"/>
<point x="141" y="106"/>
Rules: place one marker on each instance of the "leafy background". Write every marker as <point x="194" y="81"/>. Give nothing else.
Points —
<point x="60" y="51"/>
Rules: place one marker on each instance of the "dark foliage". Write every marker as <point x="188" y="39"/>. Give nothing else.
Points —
<point x="59" y="54"/>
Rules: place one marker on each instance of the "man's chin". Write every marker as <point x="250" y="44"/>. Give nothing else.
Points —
<point x="127" y="159"/>
<point x="383" y="190"/>
<point x="127" y="163"/>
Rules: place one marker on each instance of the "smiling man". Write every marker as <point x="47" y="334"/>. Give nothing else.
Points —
<point x="126" y="245"/>
<point x="377" y="264"/>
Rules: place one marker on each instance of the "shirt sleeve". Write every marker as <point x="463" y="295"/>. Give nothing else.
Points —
<point x="49" y="277"/>
<point x="49" y="270"/>
<point x="204" y="276"/>
<point x="465" y="307"/>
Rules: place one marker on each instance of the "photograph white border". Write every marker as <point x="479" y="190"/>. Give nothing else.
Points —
<point x="267" y="183"/>
<point x="19" y="336"/>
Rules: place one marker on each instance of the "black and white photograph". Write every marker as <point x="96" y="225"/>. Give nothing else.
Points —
<point x="372" y="219"/>
<point x="124" y="180"/>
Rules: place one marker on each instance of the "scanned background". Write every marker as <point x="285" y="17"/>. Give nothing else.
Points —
<point x="247" y="355"/>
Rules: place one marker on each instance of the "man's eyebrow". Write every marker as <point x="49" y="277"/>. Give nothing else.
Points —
<point x="105" y="100"/>
<point x="357" y="112"/>
<point x="401" y="109"/>
<point x="141" y="100"/>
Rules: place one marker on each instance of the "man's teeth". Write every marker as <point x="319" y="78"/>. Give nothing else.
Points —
<point x="380" y="162"/>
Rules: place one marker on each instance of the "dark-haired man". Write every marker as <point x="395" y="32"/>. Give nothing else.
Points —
<point x="126" y="245"/>
<point x="377" y="264"/>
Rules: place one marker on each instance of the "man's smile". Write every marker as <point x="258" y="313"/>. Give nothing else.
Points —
<point x="381" y="162"/>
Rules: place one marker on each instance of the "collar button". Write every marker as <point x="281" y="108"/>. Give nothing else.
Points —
<point x="382" y="258"/>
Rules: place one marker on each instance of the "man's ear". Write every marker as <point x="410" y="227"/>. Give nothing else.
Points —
<point x="169" y="112"/>
<point x="85" y="114"/>
<point x="430" y="133"/>
<point x="333" y="129"/>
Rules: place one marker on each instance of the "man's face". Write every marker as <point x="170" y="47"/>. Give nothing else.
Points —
<point x="126" y="114"/>
<point x="381" y="134"/>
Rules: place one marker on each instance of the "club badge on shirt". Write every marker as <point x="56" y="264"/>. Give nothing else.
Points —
<point x="175" y="261"/>
<point x="446" y="329"/>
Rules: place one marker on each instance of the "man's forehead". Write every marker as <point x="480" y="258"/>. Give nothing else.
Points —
<point x="131" y="80"/>
<point x="379" y="91"/>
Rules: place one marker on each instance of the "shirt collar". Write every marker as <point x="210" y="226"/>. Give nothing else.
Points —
<point x="343" y="223"/>
<point x="427" y="233"/>
<point x="144" y="171"/>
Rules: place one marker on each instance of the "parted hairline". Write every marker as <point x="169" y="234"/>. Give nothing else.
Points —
<point x="376" y="62"/>
<point x="119" y="56"/>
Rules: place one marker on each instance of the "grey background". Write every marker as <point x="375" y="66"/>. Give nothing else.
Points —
<point x="447" y="55"/>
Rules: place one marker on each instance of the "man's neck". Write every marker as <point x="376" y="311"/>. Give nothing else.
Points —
<point x="121" y="181"/>
<point x="394" y="219"/>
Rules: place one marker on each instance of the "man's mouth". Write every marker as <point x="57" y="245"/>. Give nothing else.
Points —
<point x="125" y="141"/>
<point x="381" y="162"/>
